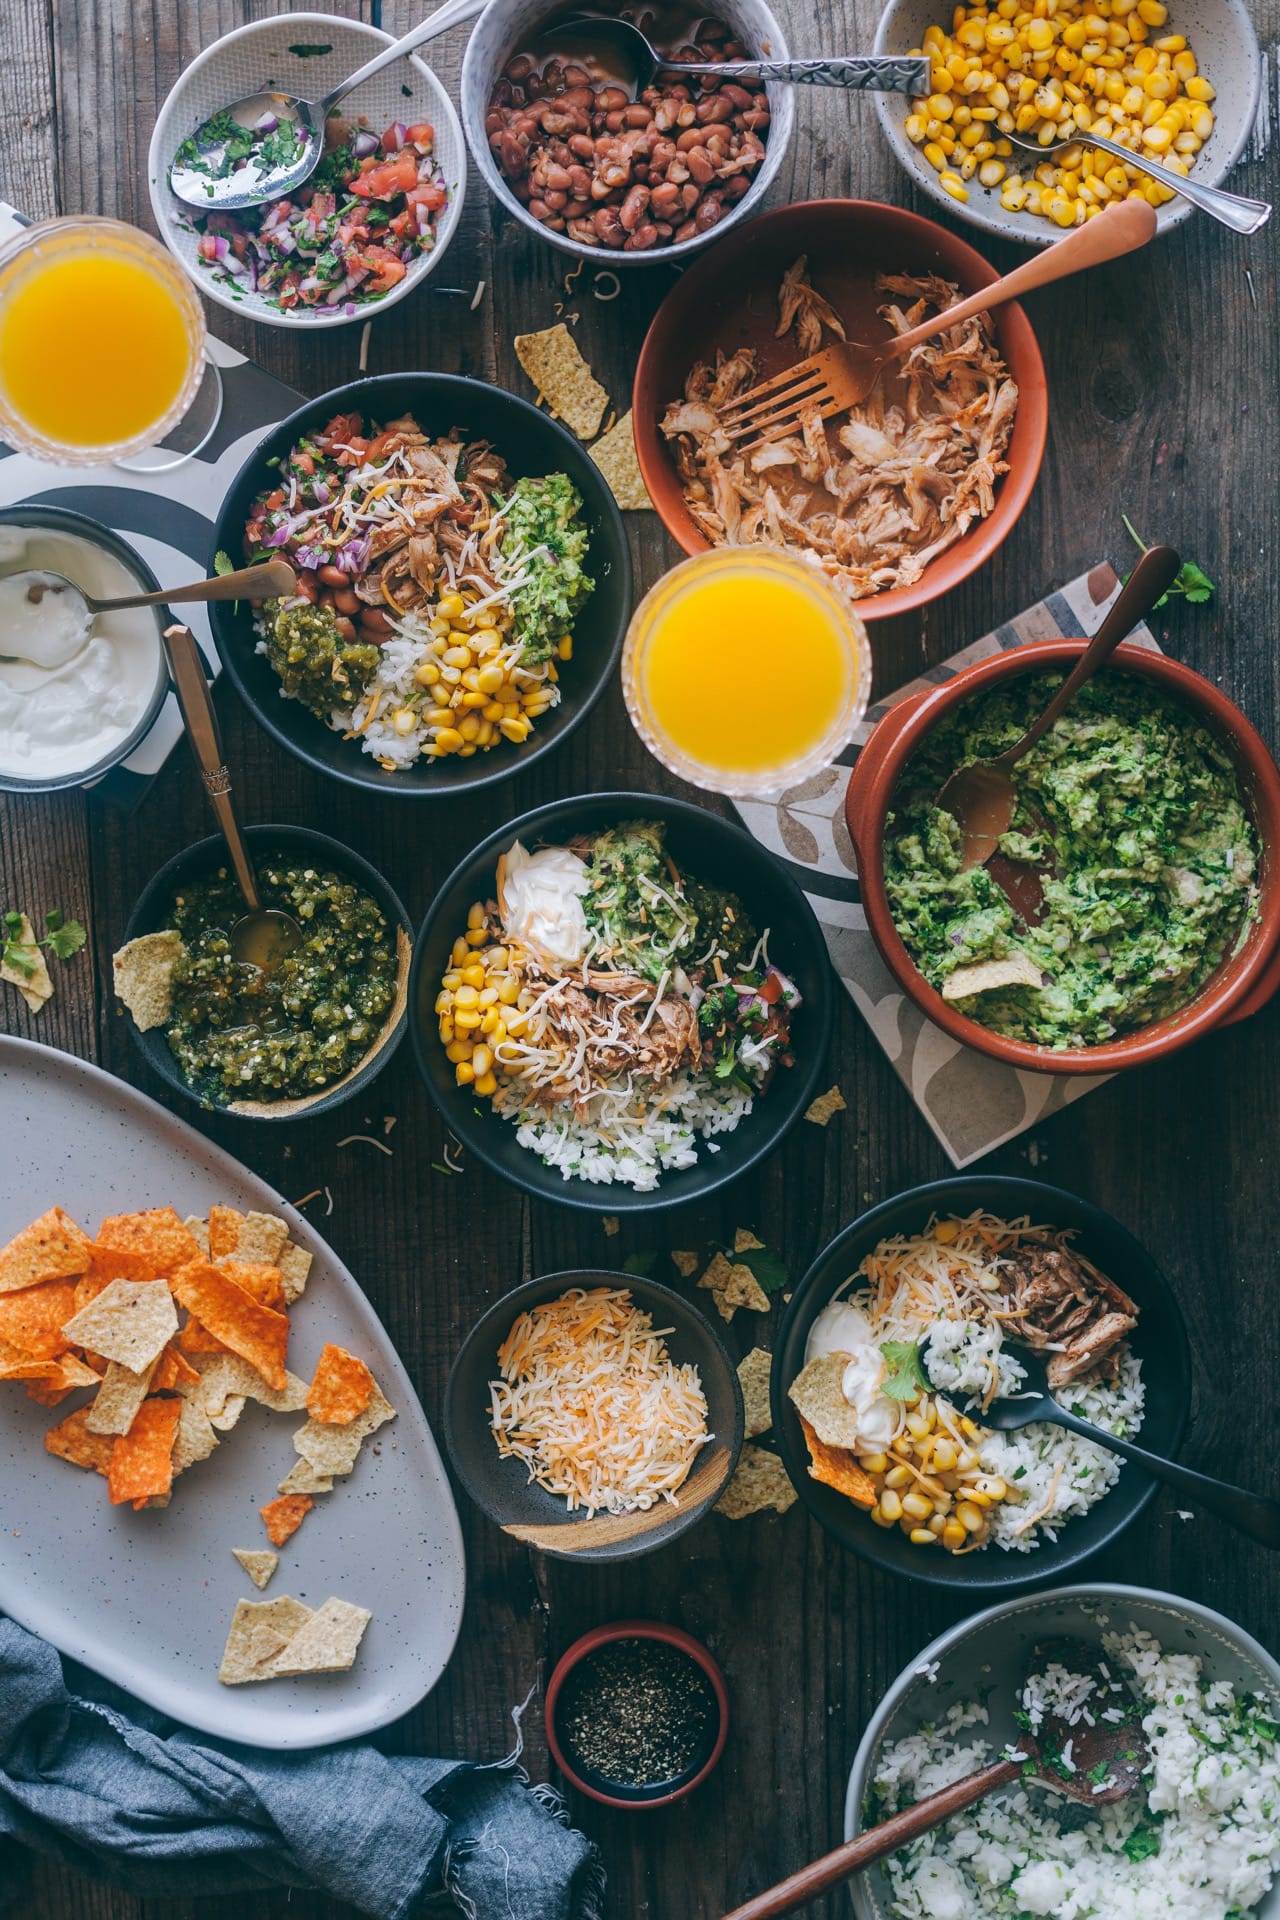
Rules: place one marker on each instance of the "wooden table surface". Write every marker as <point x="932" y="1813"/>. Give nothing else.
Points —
<point x="1163" y="381"/>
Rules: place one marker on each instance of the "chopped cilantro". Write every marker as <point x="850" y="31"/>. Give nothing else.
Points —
<point x="906" y="1376"/>
<point x="1192" y="583"/>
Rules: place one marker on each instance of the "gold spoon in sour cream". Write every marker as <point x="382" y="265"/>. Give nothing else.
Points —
<point x="45" y="619"/>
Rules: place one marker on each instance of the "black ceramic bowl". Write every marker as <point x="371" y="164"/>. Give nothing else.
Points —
<point x="502" y="1488"/>
<point x="718" y="852"/>
<point x="531" y="443"/>
<point x="152" y="913"/>
<point x="1160" y="1342"/>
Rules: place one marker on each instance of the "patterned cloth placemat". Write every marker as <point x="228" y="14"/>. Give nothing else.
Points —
<point x="973" y="1103"/>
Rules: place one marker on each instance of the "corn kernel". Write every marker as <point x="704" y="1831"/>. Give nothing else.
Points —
<point x="952" y="183"/>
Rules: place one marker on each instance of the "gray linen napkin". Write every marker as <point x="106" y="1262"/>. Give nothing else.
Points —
<point x="124" y="1795"/>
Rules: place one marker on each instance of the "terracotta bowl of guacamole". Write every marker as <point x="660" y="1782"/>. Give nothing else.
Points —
<point x="1144" y="855"/>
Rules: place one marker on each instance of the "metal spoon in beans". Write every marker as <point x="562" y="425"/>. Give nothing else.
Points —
<point x="640" y="62"/>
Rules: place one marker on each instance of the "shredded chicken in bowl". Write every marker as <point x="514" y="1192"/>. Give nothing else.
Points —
<point x="878" y="493"/>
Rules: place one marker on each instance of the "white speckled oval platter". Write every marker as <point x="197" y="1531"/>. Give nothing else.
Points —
<point x="146" y="1598"/>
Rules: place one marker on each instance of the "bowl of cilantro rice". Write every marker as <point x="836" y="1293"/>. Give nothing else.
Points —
<point x="1199" y="1838"/>
<point x="463" y="584"/>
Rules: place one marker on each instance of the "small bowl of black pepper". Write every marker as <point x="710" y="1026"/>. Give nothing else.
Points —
<point x="637" y="1714"/>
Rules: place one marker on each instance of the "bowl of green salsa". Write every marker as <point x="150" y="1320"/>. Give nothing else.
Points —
<point x="1132" y="906"/>
<point x="295" y="1038"/>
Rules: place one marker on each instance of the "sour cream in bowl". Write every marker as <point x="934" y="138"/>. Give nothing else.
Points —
<point x="75" y="698"/>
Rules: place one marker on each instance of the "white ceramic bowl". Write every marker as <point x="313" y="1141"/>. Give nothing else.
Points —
<point x="993" y="1649"/>
<point x="1220" y="34"/>
<point x="505" y="26"/>
<point x="260" y="55"/>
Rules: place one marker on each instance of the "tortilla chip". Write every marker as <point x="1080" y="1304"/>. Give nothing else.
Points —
<point x="303" y="1478"/>
<point x="61" y="1380"/>
<point x="257" y="1333"/>
<point x="230" y="1413"/>
<point x="744" y="1241"/>
<point x="333" y="1450"/>
<point x="328" y="1641"/>
<point x="615" y="455"/>
<point x="837" y="1467"/>
<point x="32" y="1320"/>
<point x="199" y="1231"/>
<point x="131" y="1321"/>
<point x="988" y="976"/>
<point x="294" y="1263"/>
<point x="197" y="1339"/>
<point x="282" y="1517"/>
<point x="760" y="1482"/>
<point x="753" y="1377"/>
<point x="156" y="1236"/>
<point x="195" y="1439"/>
<point x="817" y="1394"/>
<point x="341" y="1389"/>
<point x="224" y="1376"/>
<point x="741" y="1289"/>
<point x="563" y="379"/>
<point x="172" y="1370"/>
<point x="224" y="1231"/>
<point x="142" y="972"/>
<point x="256" y="1237"/>
<point x="142" y="1459"/>
<point x="263" y="1282"/>
<point x="260" y="1629"/>
<point x="71" y="1440"/>
<point x="32" y="978"/>
<point x="824" y="1109"/>
<point x="23" y="1367"/>
<point x="51" y="1248"/>
<point x="685" y="1263"/>
<point x="116" y="1403"/>
<point x="258" y="1564"/>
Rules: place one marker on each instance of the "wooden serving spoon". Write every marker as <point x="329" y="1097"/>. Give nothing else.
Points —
<point x="1107" y="1761"/>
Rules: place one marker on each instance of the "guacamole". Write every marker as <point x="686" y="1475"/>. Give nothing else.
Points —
<point x="652" y="916"/>
<point x="1130" y="810"/>
<point x="239" y="1033"/>
<point x="542" y="516"/>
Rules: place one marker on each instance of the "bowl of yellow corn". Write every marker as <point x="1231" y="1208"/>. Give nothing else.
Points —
<point x="922" y="1504"/>
<point x="1175" y="80"/>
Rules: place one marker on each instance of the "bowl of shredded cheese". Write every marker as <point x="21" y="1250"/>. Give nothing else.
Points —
<point x="593" y="1415"/>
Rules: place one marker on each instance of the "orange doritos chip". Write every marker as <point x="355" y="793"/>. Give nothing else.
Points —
<point x="64" y="1375"/>
<point x="51" y="1248"/>
<point x="341" y="1389"/>
<point x="32" y="1320"/>
<point x="156" y="1237"/>
<point x="257" y="1333"/>
<point x="172" y="1371"/>
<point x="70" y="1440"/>
<point x="224" y="1231"/>
<point x="24" y="1368"/>
<point x="97" y="1280"/>
<point x="197" y="1339"/>
<point x="284" y="1516"/>
<point x="115" y="1263"/>
<point x="837" y="1467"/>
<point x="141" y="1460"/>
<point x="263" y="1282"/>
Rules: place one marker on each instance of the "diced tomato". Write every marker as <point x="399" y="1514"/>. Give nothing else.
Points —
<point x="771" y="988"/>
<point x="353" y="229"/>
<point x="386" y="267"/>
<point x="289" y="294"/>
<point x="343" y="427"/>
<point x="385" y="181"/>
<point x="378" y="447"/>
<point x="391" y="141"/>
<point x="275" y="500"/>
<point x="207" y="246"/>
<point x="401" y="223"/>
<point x="428" y="194"/>
<point x="423" y="135"/>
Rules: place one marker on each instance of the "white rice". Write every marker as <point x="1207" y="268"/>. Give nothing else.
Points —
<point x="632" y="1136"/>
<point x="961" y="1354"/>
<point x="1042" y="1459"/>
<point x="1206" y="1836"/>
<point x="398" y="659"/>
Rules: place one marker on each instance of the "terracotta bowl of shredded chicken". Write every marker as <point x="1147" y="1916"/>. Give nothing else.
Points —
<point x="896" y="500"/>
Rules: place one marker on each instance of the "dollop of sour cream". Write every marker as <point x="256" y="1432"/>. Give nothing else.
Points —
<point x="844" y="1329"/>
<point x="541" y="898"/>
<point x="39" y="621"/>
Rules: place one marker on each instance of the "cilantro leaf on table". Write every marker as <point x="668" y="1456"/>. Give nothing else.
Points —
<point x="768" y="1269"/>
<point x="906" y="1375"/>
<point x="641" y="1264"/>
<point x="1192" y="584"/>
<point x="64" y="937"/>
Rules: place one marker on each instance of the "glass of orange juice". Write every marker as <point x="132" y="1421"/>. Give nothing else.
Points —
<point x="102" y="342"/>
<point x="745" y="671"/>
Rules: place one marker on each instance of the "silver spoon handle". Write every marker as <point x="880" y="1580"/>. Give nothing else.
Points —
<point x="1249" y="1513"/>
<point x="1232" y="209"/>
<point x="856" y="73"/>
<point x="186" y="669"/>
<point x="452" y="14"/>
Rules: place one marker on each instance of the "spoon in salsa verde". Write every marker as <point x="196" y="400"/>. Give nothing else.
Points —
<point x="262" y="936"/>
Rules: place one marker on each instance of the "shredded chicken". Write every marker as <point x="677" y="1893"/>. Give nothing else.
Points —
<point x="1062" y="1305"/>
<point x="873" y="497"/>
<point x="433" y="504"/>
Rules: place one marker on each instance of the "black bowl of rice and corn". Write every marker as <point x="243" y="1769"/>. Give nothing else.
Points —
<point x="463" y="578"/>
<point x="620" y="1001"/>
<point x="911" y="1322"/>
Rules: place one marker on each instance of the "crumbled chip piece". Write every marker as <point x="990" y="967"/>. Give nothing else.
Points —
<point x="824" y="1109"/>
<point x="563" y="379"/>
<point x="282" y="1517"/>
<point x="333" y="1450"/>
<point x="839" y="1468"/>
<point x="230" y="1412"/>
<point x="51" y="1248"/>
<point x="610" y="1223"/>
<point x="260" y="1629"/>
<point x="753" y="1377"/>
<point x="259" y="1334"/>
<point x="155" y="1235"/>
<point x="294" y="1263"/>
<point x="20" y="1366"/>
<point x="131" y="1321"/>
<point x="744" y="1241"/>
<point x="741" y="1290"/>
<point x="262" y="1281"/>
<point x="262" y="1236"/>
<point x="197" y="1339"/>
<point x="71" y="1440"/>
<point x="685" y="1263"/>
<point x="32" y="1321"/>
<point x="142" y="1459"/>
<point x="327" y="1642"/>
<point x="142" y="971"/>
<point x="115" y="1405"/>
<point x="817" y="1394"/>
<point x="199" y="1231"/>
<point x="195" y="1439"/>
<point x="615" y="455"/>
<point x="258" y="1562"/>
<point x="173" y="1370"/>
<point x="225" y="1375"/>
<point x="32" y="977"/>
<point x="988" y="976"/>
<point x="716" y="1277"/>
<point x="303" y="1478"/>
<point x="224" y="1231"/>
<point x="341" y="1389"/>
<point x="759" y="1482"/>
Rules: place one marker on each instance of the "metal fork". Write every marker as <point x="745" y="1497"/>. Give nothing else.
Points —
<point x="841" y="376"/>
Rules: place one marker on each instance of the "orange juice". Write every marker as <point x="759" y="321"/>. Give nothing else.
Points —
<point x="100" y="340"/>
<point x="745" y="671"/>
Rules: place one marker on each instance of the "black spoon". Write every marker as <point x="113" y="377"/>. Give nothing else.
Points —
<point x="1249" y="1513"/>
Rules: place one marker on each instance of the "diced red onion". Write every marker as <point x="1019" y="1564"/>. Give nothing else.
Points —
<point x="311" y="557"/>
<point x="364" y="144"/>
<point x="267" y="123"/>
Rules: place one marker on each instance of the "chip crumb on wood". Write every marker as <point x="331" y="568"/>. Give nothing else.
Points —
<point x="824" y="1109"/>
<point x="760" y="1483"/>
